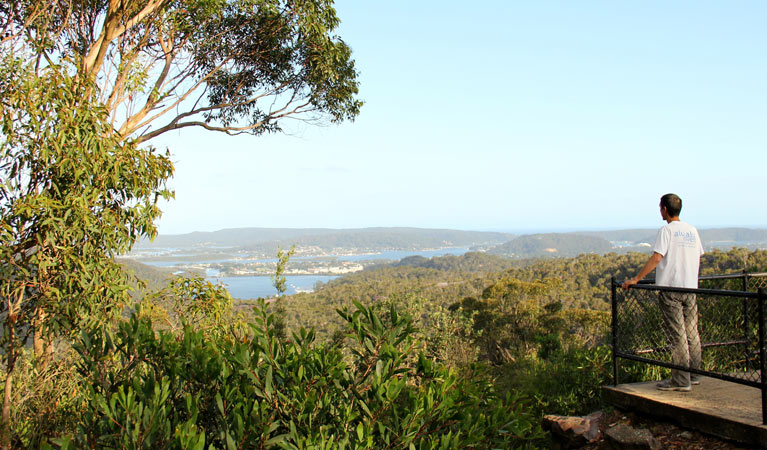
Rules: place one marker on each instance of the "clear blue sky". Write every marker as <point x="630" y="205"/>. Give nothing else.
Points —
<point x="501" y="115"/>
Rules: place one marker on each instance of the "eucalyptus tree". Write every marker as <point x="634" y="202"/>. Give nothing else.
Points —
<point x="84" y="84"/>
<point x="73" y="194"/>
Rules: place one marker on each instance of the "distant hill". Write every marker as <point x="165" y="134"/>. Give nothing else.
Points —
<point x="635" y="236"/>
<point x="727" y="236"/>
<point x="552" y="245"/>
<point x="713" y="237"/>
<point x="328" y="238"/>
<point x="468" y="262"/>
<point x="231" y="237"/>
<point x="400" y="238"/>
<point x="229" y="243"/>
<point x="620" y="241"/>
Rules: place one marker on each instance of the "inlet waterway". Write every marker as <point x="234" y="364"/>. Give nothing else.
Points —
<point x="251" y="287"/>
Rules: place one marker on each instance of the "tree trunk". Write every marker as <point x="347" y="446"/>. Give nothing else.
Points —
<point x="10" y="325"/>
<point x="38" y="341"/>
<point x="5" y="429"/>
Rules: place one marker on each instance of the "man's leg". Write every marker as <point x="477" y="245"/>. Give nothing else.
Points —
<point x="676" y="333"/>
<point x="690" y="310"/>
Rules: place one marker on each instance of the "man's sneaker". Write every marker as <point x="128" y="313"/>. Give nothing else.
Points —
<point x="667" y="386"/>
<point x="695" y="381"/>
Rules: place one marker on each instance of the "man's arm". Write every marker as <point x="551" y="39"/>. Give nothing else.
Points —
<point x="648" y="267"/>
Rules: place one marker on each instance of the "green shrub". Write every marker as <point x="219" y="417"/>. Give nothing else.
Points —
<point x="46" y="397"/>
<point x="567" y="383"/>
<point x="158" y="390"/>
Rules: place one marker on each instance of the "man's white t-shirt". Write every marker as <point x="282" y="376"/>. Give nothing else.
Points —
<point x="680" y="245"/>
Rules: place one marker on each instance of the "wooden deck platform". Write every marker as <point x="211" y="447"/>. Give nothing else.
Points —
<point x="720" y="408"/>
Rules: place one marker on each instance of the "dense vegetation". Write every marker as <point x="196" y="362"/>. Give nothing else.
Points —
<point x="449" y="352"/>
<point x="196" y="389"/>
<point x="540" y="327"/>
<point x="185" y="371"/>
<point x="580" y="282"/>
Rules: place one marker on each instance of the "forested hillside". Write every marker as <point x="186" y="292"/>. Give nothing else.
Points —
<point x="153" y="277"/>
<point x="553" y="245"/>
<point x="540" y="327"/>
<point x="578" y="282"/>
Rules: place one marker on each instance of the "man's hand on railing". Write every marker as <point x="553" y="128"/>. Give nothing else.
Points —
<point x="648" y="267"/>
<point x="630" y="282"/>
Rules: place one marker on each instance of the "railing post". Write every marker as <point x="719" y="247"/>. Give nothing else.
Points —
<point x="614" y="303"/>
<point x="762" y="353"/>
<point x="746" y="323"/>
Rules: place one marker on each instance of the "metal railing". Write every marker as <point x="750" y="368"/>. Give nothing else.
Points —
<point x="731" y="325"/>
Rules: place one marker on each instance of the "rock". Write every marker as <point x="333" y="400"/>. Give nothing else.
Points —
<point x="624" y="437"/>
<point x="686" y="435"/>
<point x="573" y="432"/>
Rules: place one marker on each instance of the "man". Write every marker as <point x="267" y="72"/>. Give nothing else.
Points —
<point x="676" y="254"/>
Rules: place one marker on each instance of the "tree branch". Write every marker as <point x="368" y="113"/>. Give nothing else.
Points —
<point x="154" y="96"/>
<point x="111" y="30"/>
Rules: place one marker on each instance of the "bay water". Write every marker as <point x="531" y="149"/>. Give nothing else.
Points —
<point x="252" y="287"/>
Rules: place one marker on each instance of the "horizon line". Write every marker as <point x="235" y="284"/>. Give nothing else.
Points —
<point x="519" y="231"/>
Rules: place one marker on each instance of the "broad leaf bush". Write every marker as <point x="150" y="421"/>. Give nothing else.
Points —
<point x="158" y="389"/>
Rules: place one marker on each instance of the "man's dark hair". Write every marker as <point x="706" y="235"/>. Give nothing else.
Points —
<point x="672" y="203"/>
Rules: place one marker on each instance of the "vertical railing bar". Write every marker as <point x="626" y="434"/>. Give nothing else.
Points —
<point x="746" y="322"/>
<point x="614" y="303"/>
<point x="762" y="353"/>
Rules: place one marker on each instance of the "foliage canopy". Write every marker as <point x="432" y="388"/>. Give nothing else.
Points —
<point x="235" y="66"/>
<point x="72" y="195"/>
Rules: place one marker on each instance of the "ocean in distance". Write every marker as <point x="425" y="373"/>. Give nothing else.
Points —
<point x="251" y="287"/>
